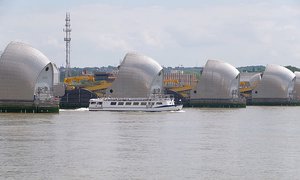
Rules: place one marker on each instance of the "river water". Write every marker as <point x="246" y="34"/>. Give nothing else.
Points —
<point x="249" y="143"/>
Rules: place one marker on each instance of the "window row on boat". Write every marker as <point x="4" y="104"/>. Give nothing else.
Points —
<point x="134" y="103"/>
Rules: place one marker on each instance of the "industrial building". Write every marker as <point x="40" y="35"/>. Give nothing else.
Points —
<point x="275" y="86"/>
<point x="179" y="78"/>
<point x="138" y="76"/>
<point x="218" y="86"/>
<point x="29" y="81"/>
<point x="76" y="98"/>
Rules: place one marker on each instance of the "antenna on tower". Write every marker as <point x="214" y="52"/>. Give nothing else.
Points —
<point x="68" y="40"/>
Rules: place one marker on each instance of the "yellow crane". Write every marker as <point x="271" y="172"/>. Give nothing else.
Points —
<point x="78" y="79"/>
<point x="245" y="87"/>
<point x="101" y="86"/>
<point x="173" y="81"/>
<point x="175" y="86"/>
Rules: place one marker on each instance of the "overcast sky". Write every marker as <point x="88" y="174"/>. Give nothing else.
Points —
<point x="173" y="32"/>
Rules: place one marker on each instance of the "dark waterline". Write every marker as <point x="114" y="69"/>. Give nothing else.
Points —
<point x="248" y="143"/>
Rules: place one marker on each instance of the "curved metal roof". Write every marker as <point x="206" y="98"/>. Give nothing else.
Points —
<point x="297" y="85"/>
<point x="276" y="82"/>
<point x="56" y="74"/>
<point x="297" y="74"/>
<point x="219" y="80"/>
<point x="20" y="66"/>
<point x="255" y="80"/>
<point x="138" y="76"/>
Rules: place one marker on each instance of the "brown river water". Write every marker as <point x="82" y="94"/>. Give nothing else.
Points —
<point x="247" y="143"/>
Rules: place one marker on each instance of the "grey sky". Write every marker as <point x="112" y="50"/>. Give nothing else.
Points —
<point x="172" y="32"/>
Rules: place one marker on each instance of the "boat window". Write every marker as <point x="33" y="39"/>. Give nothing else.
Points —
<point x="120" y="103"/>
<point x="93" y="102"/>
<point x="99" y="103"/>
<point x="143" y="103"/>
<point x="136" y="103"/>
<point x="158" y="103"/>
<point x="113" y="103"/>
<point x="128" y="103"/>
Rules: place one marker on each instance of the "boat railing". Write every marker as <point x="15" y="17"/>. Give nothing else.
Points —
<point x="150" y="98"/>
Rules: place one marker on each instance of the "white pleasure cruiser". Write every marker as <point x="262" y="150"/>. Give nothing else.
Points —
<point x="153" y="104"/>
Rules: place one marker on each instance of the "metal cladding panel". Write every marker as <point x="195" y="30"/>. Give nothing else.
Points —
<point x="138" y="76"/>
<point x="56" y="74"/>
<point x="277" y="82"/>
<point x="255" y="80"/>
<point x="218" y="81"/>
<point x="20" y="66"/>
<point x="297" y="85"/>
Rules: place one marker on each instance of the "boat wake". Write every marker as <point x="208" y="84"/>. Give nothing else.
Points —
<point x="79" y="109"/>
<point x="180" y="111"/>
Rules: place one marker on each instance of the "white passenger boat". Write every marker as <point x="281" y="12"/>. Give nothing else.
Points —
<point x="153" y="104"/>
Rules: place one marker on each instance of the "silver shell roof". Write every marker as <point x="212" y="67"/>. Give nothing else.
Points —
<point x="20" y="66"/>
<point x="138" y="76"/>
<point x="297" y="85"/>
<point x="218" y="81"/>
<point x="255" y="80"/>
<point x="276" y="82"/>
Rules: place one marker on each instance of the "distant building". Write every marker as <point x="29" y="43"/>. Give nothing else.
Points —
<point x="27" y="79"/>
<point x="178" y="78"/>
<point x="104" y="76"/>
<point x="76" y="98"/>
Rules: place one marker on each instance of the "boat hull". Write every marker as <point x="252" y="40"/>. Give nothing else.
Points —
<point x="150" y="109"/>
<point x="154" y="104"/>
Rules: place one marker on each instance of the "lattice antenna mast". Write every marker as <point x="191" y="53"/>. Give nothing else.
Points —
<point x="68" y="43"/>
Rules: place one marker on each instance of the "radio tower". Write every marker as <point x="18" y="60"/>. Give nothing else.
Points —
<point x="68" y="40"/>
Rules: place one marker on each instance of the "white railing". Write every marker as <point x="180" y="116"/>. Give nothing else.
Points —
<point x="152" y="97"/>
